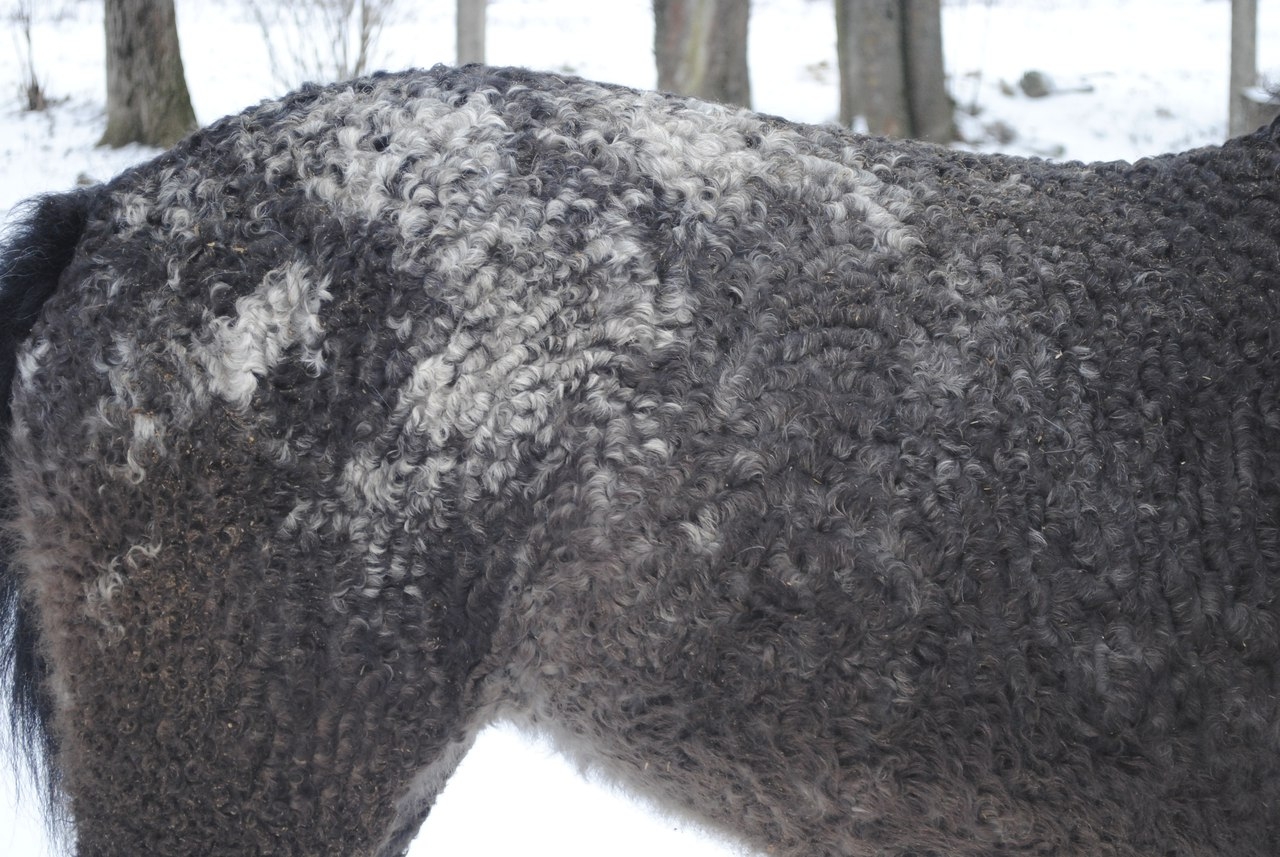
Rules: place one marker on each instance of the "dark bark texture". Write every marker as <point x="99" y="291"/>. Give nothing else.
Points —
<point x="891" y="68"/>
<point x="701" y="49"/>
<point x="147" y="98"/>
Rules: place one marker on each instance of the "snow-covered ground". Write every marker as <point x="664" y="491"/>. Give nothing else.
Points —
<point x="1134" y="78"/>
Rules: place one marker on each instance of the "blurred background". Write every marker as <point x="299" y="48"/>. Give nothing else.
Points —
<point x="90" y="87"/>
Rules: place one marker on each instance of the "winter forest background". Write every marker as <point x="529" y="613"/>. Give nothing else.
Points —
<point x="1110" y="79"/>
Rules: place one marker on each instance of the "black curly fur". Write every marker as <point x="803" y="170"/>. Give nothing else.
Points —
<point x="862" y="498"/>
<point x="36" y="252"/>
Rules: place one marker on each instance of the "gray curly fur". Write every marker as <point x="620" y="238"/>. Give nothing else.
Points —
<point x="862" y="497"/>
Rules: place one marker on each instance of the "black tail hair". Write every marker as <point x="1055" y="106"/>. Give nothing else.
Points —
<point x="36" y="252"/>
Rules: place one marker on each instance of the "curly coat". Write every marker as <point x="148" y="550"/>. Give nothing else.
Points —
<point x="861" y="497"/>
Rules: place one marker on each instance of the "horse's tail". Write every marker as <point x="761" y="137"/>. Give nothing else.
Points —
<point x="32" y="259"/>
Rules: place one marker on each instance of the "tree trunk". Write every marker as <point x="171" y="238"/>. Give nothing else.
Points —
<point x="891" y="68"/>
<point x="1248" y="106"/>
<point x="471" y="15"/>
<point x="701" y="48"/>
<point x="876" y="39"/>
<point x="850" y="75"/>
<point x="932" y="113"/>
<point x="147" y="99"/>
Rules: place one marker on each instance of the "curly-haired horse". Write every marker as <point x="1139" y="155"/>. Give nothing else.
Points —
<point x="863" y="498"/>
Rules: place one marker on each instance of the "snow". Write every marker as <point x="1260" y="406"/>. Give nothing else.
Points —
<point x="1132" y="78"/>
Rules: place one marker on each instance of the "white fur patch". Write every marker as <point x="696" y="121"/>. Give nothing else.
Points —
<point x="29" y="360"/>
<point x="282" y="312"/>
